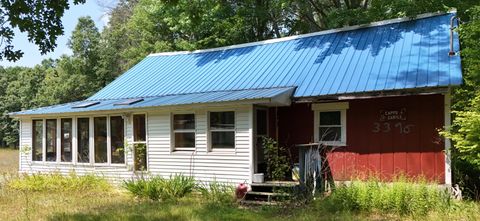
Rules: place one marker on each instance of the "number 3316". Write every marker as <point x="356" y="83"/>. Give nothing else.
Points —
<point x="387" y="127"/>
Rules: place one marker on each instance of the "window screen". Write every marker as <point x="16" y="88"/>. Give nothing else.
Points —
<point x="330" y="126"/>
<point x="222" y="129"/>
<point x="37" y="140"/>
<point x="100" y="139"/>
<point x="83" y="135"/>
<point x="184" y="131"/>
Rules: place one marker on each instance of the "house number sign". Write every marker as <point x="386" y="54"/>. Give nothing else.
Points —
<point x="392" y="121"/>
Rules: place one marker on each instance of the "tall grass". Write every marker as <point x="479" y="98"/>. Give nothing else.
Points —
<point x="217" y="193"/>
<point x="158" y="188"/>
<point x="400" y="197"/>
<point x="58" y="182"/>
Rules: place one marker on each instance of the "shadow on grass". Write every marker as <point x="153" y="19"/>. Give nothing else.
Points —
<point x="184" y="209"/>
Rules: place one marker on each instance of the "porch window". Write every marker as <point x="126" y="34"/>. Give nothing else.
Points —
<point x="330" y="123"/>
<point x="83" y="137"/>
<point x="66" y="140"/>
<point x="222" y="130"/>
<point x="139" y="142"/>
<point x="100" y="139"/>
<point x="117" y="139"/>
<point x="37" y="141"/>
<point x="330" y="127"/>
<point x="184" y="131"/>
<point x="51" y="140"/>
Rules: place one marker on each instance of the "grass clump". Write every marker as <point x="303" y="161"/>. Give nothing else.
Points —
<point x="58" y="182"/>
<point x="217" y="192"/>
<point x="399" y="197"/>
<point x="158" y="188"/>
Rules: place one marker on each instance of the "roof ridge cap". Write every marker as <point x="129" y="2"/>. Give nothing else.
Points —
<point x="294" y="37"/>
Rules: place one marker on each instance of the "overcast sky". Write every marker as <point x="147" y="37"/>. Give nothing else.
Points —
<point x="32" y="56"/>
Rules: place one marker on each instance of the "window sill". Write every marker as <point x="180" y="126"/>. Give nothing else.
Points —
<point x="183" y="152"/>
<point x="223" y="151"/>
<point x="335" y="143"/>
<point x="41" y="163"/>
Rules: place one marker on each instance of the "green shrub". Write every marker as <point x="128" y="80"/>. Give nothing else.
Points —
<point x="276" y="158"/>
<point x="178" y="186"/>
<point x="158" y="188"/>
<point x="399" y="197"/>
<point x="217" y="192"/>
<point x="58" y="182"/>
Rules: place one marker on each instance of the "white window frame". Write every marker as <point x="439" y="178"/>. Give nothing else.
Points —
<point x="318" y="108"/>
<point x="92" y="148"/>
<point x="91" y="142"/>
<point x="57" y="139"/>
<point x="173" y="132"/>
<point x="109" y="139"/>
<point x="210" y="130"/>
<point x="44" y="145"/>
<point x="140" y="142"/>
<point x="60" y="137"/>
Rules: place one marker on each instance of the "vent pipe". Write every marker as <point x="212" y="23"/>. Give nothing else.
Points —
<point x="452" y="27"/>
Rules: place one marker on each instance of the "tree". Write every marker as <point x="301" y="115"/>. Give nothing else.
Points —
<point x="85" y="44"/>
<point x="316" y="15"/>
<point x="114" y="40"/>
<point x="18" y="94"/>
<point x="41" y="19"/>
<point x="75" y="77"/>
<point x="465" y="132"/>
<point x="65" y="82"/>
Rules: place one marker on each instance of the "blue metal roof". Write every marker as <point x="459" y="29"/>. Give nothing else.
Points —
<point x="391" y="55"/>
<point x="400" y="55"/>
<point x="169" y="100"/>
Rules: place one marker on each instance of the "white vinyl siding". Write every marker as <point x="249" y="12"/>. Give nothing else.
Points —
<point x="232" y="166"/>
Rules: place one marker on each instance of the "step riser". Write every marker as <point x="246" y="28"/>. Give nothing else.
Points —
<point x="269" y="193"/>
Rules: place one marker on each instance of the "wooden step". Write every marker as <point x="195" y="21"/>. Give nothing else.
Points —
<point x="267" y="193"/>
<point x="259" y="203"/>
<point x="277" y="184"/>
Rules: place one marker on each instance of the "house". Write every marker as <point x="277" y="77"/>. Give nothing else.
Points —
<point x="377" y="93"/>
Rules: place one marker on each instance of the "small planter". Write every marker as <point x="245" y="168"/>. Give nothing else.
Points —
<point x="258" y="178"/>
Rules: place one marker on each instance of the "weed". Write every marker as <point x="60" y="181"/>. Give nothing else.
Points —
<point x="399" y="197"/>
<point x="217" y="192"/>
<point x="58" y="182"/>
<point x="158" y="188"/>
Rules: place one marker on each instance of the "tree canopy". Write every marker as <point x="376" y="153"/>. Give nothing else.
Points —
<point x="40" y="19"/>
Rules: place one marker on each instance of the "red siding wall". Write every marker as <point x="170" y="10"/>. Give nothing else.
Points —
<point x="415" y="151"/>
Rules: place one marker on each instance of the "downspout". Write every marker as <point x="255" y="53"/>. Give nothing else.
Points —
<point x="452" y="27"/>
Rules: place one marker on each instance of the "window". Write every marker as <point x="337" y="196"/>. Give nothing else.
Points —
<point x="184" y="131"/>
<point x="100" y="139"/>
<point x="51" y="140"/>
<point x="330" y="123"/>
<point x="222" y="130"/>
<point x="330" y="126"/>
<point x="83" y="136"/>
<point x="108" y="137"/>
<point x="66" y="140"/>
<point x="37" y="140"/>
<point x="139" y="128"/>
<point x="116" y="139"/>
<point x="139" y="142"/>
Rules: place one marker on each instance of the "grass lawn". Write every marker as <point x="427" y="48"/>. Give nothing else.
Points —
<point x="8" y="160"/>
<point x="116" y="204"/>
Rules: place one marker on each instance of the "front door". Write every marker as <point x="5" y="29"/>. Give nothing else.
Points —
<point x="261" y="130"/>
